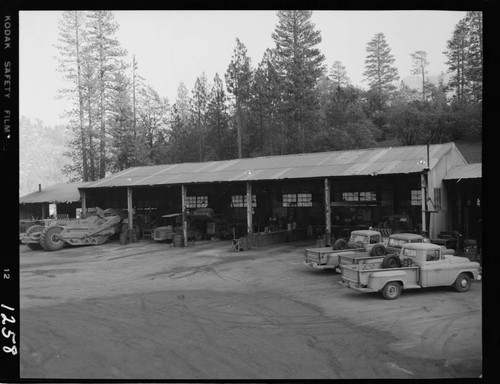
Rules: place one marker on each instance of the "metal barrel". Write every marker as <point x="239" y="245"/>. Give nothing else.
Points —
<point x="177" y="240"/>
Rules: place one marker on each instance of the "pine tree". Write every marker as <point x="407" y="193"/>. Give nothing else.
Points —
<point x="456" y="53"/>
<point x="465" y="58"/>
<point x="121" y="125"/>
<point x="153" y="116"/>
<point x="183" y="102"/>
<point x="238" y="80"/>
<point x="137" y="87"/>
<point x="379" y="70"/>
<point x="106" y="48"/>
<point x="71" y="47"/>
<point x="338" y="74"/>
<point x="265" y="105"/>
<point x="182" y="139"/>
<point x="420" y="63"/>
<point x="199" y="110"/>
<point x="221" y="143"/>
<point x="300" y="65"/>
<point x="474" y="22"/>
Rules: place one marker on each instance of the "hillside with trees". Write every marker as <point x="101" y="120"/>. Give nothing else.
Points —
<point x="292" y="101"/>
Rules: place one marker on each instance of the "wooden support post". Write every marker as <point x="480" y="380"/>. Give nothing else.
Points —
<point x="249" y="210"/>
<point x="184" y="214"/>
<point x="424" y="203"/>
<point x="130" y="209"/>
<point x="328" y="214"/>
<point x="84" y="203"/>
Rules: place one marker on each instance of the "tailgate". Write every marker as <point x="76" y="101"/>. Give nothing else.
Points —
<point x="351" y="274"/>
<point x="314" y="254"/>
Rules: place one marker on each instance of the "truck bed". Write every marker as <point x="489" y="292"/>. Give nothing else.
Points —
<point x="327" y="257"/>
<point x="360" y="258"/>
<point x="357" y="276"/>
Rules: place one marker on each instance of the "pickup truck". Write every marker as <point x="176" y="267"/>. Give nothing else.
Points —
<point x="419" y="265"/>
<point x="362" y="243"/>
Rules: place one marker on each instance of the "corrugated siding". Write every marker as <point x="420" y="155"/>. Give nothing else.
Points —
<point x="374" y="161"/>
<point x="469" y="171"/>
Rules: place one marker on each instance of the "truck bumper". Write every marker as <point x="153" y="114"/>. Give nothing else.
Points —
<point x="319" y="266"/>
<point x="349" y="284"/>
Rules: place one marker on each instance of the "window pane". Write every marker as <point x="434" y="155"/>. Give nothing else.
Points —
<point x="289" y="200"/>
<point x="367" y="196"/>
<point x="416" y="197"/>
<point x="350" y="196"/>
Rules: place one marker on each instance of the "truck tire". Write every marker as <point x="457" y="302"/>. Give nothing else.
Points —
<point x="377" y="250"/>
<point x="391" y="290"/>
<point x="463" y="282"/>
<point x="48" y="240"/>
<point x="340" y="244"/>
<point x="391" y="261"/>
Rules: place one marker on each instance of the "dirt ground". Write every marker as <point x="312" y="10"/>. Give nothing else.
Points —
<point x="151" y="311"/>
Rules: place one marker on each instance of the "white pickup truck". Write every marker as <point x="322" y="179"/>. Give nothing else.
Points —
<point x="419" y="265"/>
<point x="362" y="243"/>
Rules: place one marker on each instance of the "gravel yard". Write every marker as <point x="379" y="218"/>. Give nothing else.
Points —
<point x="151" y="311"/>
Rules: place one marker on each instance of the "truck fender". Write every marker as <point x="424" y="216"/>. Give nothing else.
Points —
<point x="471" y="274"/>
<point x="378" y="280"/>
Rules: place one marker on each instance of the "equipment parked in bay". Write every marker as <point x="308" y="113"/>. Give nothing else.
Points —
<point x="418" y="265"/>
<point x="93" y="230"/>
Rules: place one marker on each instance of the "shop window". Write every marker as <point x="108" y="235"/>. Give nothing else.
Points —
<point x="297" y="200"/>
<point x="437" y="199"/>
<point x="350" y="196"/>
<point x="367" y="196"/>
<point x="240" y="201"/>
<point x="304" y="200"/>
<point x="196" y="201"/>
<point x="359" y="196"/>
<point x="416" y="197"/>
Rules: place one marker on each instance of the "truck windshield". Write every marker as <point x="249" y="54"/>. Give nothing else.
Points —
<point x="355" y="238"/>
<point x="410" y="252"/>
<point x="398" y="243"/>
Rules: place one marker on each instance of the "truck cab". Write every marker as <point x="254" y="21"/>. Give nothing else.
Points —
<point x="397" y="240"/>
<point x="371" y="241"/>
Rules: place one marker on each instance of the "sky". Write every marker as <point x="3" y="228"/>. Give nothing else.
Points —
<point x="178" y="46"/>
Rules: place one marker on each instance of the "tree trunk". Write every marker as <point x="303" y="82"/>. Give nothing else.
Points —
<point x="238" y="128"/>
<point x="81" y="106"/>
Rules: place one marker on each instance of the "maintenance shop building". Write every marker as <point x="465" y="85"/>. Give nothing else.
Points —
<point x="316" y="194"/>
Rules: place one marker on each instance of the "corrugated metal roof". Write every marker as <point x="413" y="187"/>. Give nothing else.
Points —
<point x="469" y="171"/>
<point x="373" y="161"/>
<point x="57" y="193"/>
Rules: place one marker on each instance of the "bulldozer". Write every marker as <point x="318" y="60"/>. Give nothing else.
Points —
<point x="93" y="230"/>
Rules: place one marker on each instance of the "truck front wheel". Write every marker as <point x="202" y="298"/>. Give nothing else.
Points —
<point x="463" y="282"/>
<point x="391" y="290"/>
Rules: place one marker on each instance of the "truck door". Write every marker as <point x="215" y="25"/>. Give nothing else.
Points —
<point x="435" y="270"/>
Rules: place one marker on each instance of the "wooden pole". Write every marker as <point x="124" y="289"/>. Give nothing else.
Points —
<point x="424" y="201"/>
<point x="184" y="213"/>
<point x="328" y="216"/>
<point x="130" y="209"/>
<point x="249" y="209"/>
<point x="84" y="203"/>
